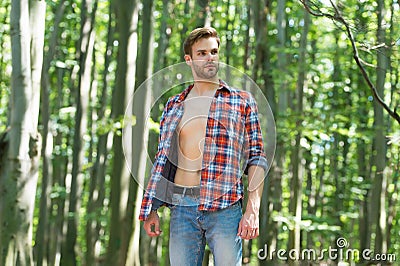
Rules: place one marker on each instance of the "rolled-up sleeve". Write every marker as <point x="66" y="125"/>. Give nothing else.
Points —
<point x="254" y="138"/>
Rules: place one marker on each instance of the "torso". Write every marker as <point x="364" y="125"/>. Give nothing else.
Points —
<point x="191" y="136"/>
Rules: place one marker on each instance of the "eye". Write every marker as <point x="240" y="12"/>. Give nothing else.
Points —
<point x="214" y="52"/>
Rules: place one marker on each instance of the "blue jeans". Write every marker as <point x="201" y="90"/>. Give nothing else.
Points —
<point x="191" y="229"/>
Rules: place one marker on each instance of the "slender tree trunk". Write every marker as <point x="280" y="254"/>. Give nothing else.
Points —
<point x="42" y="239"/>
<point x="311" y="192"/>
<point x="335" y="150"/>
<point x="262" y="65"/>
<point x="92" y="213"/>
<point x="184" y="30"/>
<point x="282" y="61"/>
<point x="246" y="57"/>
<point x="203" y="17"/>
<point x="141" y="110"/>
<point x="393" y="203"/>
<point x="60" y="166"/>
<point x="362" y="154"/>
<point x="69" y="256"/>
<point x="161" y="56"/>
<point x="260" y="34"/>
<point x="295" y="206"/>
<point x="127" y="20"/>
<point x="228" y="34"/>
<point x="276" y="172"/>
<point x="378" y="200"/>
<point x="97" y="182"/>
<point x="394" y="81"/>
<point x="20" y="163"/>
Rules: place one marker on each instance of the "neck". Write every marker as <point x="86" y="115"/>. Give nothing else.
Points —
<point x="204" y="87"/>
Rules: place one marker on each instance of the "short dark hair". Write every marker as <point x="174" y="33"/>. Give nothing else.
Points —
<point x="197" y="34"/>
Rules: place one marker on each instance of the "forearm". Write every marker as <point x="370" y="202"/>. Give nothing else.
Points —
<point x="255" y="188"/>
<point x="249" y="224"/>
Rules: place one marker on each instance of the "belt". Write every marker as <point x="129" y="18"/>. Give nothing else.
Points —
<point x="188" y="191"/>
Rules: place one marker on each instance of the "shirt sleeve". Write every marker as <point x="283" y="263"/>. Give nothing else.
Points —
<point x="148" y="197"/>
<point x="254" y="138"/>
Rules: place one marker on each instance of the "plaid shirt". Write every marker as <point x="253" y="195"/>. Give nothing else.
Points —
<point x="233" y="142"/>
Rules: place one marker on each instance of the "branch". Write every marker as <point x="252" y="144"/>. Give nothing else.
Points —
<point x="339" y="18"/>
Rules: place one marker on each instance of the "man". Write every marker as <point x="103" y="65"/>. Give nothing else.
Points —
<point x="206" y="133"/>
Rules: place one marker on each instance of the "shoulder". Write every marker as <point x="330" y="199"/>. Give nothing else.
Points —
<point x="172" y="101"/>
<point x="245" y="96"/>
<point x="178" y="98"/>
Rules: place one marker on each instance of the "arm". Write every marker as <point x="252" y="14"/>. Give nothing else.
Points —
<point x="257" y="165"/>
<point x="249" y="224"/>
<point x="149" y="201"/>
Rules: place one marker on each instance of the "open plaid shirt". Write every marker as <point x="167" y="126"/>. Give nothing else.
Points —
<point x="233" y="142"/>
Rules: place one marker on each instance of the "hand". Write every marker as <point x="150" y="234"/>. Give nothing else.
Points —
<point x="249" y="225"/>
<point x="152" y="221"/>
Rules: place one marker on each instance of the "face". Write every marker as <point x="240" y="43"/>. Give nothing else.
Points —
<point x="204" y="60"/>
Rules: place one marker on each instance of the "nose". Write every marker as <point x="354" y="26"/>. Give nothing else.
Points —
<point x="210" y="57"/>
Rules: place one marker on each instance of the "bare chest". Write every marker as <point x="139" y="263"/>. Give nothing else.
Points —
<point x="195" y="115"/>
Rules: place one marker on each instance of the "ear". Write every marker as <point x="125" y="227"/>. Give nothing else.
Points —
<point x="188" y="59"/>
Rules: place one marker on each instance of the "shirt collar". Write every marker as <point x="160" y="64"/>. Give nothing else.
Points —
<point x="184" y="93"/>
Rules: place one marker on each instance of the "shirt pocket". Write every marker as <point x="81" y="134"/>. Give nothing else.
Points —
<point x="235" y="124"/>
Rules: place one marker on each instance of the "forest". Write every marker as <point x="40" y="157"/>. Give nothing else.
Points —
<point x="81" y="101"/>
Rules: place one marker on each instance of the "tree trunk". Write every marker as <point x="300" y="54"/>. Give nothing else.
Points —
<point x="295" y="206"/>
<point x="378" y="199"/>
<point x="394" y="80"/>
<point x="362" y="151"/>
<point x="19" y="164"/>
<point x="335" y="150"/>
<point x="282" y="62"/>
<point x="164" y="37"/>
<point x="97" y="182"/>
<point x="69" y="256"/>
<point x="127" y="19"/>
<point x="60" y="166"/>
<point x="262" y="65"/>
<point x="42" y="239"/>
<point x="228" y="34"/>
<point x="276" y="172"/>
<point x="141" y="111"/>
<point x="203" y="17"/>
<point x="246" y="57"/>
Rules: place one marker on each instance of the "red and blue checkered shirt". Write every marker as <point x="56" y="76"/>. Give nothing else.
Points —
<point x="233" y="142"/>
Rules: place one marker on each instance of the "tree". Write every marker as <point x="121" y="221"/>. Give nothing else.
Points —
<point x="360" y="63"/>
<point x="380" y="180"/>
<point x="43" y="235"/>
<point x="20" y="160"/>
<point x="86" y="46"/>
<point x="126" y="13"/>
<point x="97" y="187"/>
<point x="295" y="205"/>
<point x="140" y="132"/>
